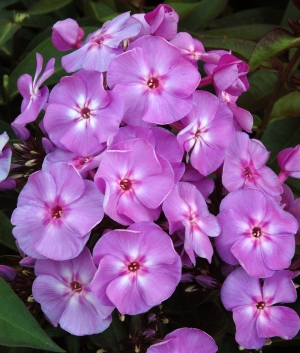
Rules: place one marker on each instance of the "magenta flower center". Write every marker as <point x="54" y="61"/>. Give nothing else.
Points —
<point x="56" y="212"/>
<point x="153" y="83"/>
<point x="256" y="232"/>
<point x="247" y="172"/>
<point x="133" y="266"/>
<point x="260" y="305"/>
<point x="76" y="286"/>
<point x="85" y="113"/>
<point x="125" y="184"/>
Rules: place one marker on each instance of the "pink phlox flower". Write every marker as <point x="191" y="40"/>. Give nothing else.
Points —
<point x="292" y="206"/>
<point x="192" y="49"/>
<point x="229" y="74"/>
<point x="7" y="273"/>
<point x="135" y="181"/>
<point x="152" y="78"/>
<point x="203" y="184"/>
<point x="145" y="28"/>
<point x="244" y="167"/>
<point x="185" y="208"/>
<point x="100" y="47"/>
<point x="82" y="164"/>
<point x="255" y="317"/>
<point x="163" y="141"/>
<point x="63" y="288"/>
<point x="34" y="98"/>
<point x="185" y="340"/>
<point x="289" y="162"/>
<point x="209" y="131"/>
<point x="255" y="232"/>
<point x="81" y="114"/>
<point x="163" y="21"/>
<point x="67" y="35"/>
<point x="242" y="118"/>
<point x="138" y="268"/>
<point x="178" y="242"/>
<point x="56" y="211"/>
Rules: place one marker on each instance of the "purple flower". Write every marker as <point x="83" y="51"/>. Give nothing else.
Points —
<point x="209" y="130"/>
<point x="63" y="288"/>
<point x="163" y="21"/>
<point x="255" y="232"/>
<point x="7" y="273"/>
<point x="56" y="211"/>
<point x="152" y="78"/>
<point x="244" y="167"/>
<point x="185" y="340"/>
<point x="81" y="115"/>
<point x="242" y="118"/>
<point x="289" y="162"/>
<point x="292" y="206"/>
<point x="138" y="268"/>
<point x="34" y="98"/>
<point x="135" y="181"/>
<point x="102" y="46"/>
<point x="251" y="303"/>
<point x="185" y="207"/>
<point x="191" y="49"/>
<point x="67" y="35"/>
<point x="229" y="74"/>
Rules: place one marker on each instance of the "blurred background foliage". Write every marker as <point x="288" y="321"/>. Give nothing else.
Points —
<point x="264" y="33"/>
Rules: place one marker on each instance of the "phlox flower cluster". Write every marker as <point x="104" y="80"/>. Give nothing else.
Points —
<point x="142" y="171"/>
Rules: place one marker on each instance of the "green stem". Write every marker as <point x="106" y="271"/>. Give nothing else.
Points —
<point x="282" y="78"/>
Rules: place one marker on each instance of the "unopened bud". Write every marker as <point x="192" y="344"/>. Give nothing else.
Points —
<point x="101" y="350"/>
<point x="241" y="348"/>
<point x="20" y="17"/>
<point x="31" y="163"/>
<point x="151" y="317"/>
<point x="122" y="317"/>
<point x="268" y="342"/>
<point x="190" y="289"/>
<point x="137" y="349"/>
<point x="30" y="299"/>
<point x="296" y="285"/>
<point x="165" y="320"/>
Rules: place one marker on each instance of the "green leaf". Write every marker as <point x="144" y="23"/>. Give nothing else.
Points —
<point x="204" y="11"/>
<point x="7" y="30"/>
<point x="280" y="134"/>
<point x="239" y="46"/>
<point x="18" y="328"/>
<point x="287" y="105"/>
<point x="183" y="9"/>
<point x="6" y="237"/>
<point x="250" y="32"/>
<point x="256" y="121"/>
<point x="28" y="65"/>
<point x="112" y="335"/>
<point x="99" y="10"/>
<point x="265" y="15"/>
<point x="4" y="3"/>
<point x="46" y="6"/>
<point x="273" y="43"/>
<point x="73" y="344"/>
<point x="291" y="12"/>
<point x="261" y="84"/>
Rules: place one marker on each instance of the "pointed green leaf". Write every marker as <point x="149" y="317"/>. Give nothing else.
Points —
<point x="287" y="105"/>
<point x="18" y="328"/>
<point x="280" y="134"/>
<point x="250" y="32"/>
<point x="204" y="11"/>
<point x="261" y="84"/>
<point x="6" y="237"/>
<point x="273" y="43"/>
<point x="4" y="3"/>
<point x="240" y="46"/>
<point x="46" y="6"/>
<point x="7" y="30"/>
<point x="98" y="10"/>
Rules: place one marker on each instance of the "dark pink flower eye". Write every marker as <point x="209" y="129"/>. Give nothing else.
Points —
<point x="76" y="286"/>
<point x="133" y="266"/>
